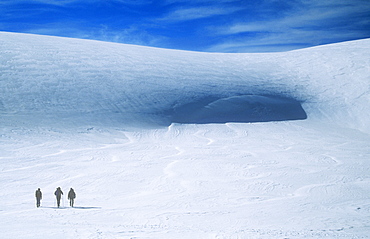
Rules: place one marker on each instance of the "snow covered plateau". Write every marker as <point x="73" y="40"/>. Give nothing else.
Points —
<point x="161" y="143"/>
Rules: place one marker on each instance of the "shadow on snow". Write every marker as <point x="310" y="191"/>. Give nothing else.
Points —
<point x="73" y="207"/>
<point x="243" y="109"/>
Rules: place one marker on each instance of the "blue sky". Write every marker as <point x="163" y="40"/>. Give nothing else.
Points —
<point x="196" y="25"/>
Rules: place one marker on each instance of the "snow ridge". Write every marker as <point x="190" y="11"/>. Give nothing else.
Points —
<point x="45" y="79"/>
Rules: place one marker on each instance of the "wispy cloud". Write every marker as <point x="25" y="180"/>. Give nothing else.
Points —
<point x="307" y="24"/>
<point x="192" y="13"/>
<point x="310" y="17"/>
<point x="201" y="25"/>
<point x="130" y="35"/>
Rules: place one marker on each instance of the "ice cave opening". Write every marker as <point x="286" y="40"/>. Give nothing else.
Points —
<point x="243" y="108"/>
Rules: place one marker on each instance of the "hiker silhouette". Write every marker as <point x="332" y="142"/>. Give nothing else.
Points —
<point x="58" y="193"/>
<point x="71" y="197"/>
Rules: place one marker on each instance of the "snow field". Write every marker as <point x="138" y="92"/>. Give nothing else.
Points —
<point x="99" y="117"/>
<point x="265" y="180"/>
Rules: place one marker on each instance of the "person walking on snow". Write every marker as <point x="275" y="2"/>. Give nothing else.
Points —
<point x="71" y="197"/>
<point x="38" y="195"/>
<point x="58" y="193"/>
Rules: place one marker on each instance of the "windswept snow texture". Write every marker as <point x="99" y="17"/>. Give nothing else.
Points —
<point x="155" y="143"/>
<point x="80" y="81"/>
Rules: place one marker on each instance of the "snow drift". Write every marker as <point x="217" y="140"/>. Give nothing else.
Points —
<point x="74" y="82"/>
<point x="65" y="110"/>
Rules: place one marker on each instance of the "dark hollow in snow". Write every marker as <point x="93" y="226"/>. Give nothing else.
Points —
<point x="245" y="108"/>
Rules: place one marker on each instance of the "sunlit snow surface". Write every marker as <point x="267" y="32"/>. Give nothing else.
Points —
<point x="156" y="145"/>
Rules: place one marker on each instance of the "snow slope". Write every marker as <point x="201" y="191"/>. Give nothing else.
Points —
<point x="64" y="78"/>
<point x="157" y="144"/>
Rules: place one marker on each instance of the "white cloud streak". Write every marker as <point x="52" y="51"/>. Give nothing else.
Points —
<point x="192" y="13"/>
<point x="310" y="17"/>
<point x="254" y="26"/>
<point x="316" y="23"/>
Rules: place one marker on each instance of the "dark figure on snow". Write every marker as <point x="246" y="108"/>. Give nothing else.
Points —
<point x="38" y="195"/>
<point x="71" y="197"/>
<point x="58" y="193"/>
